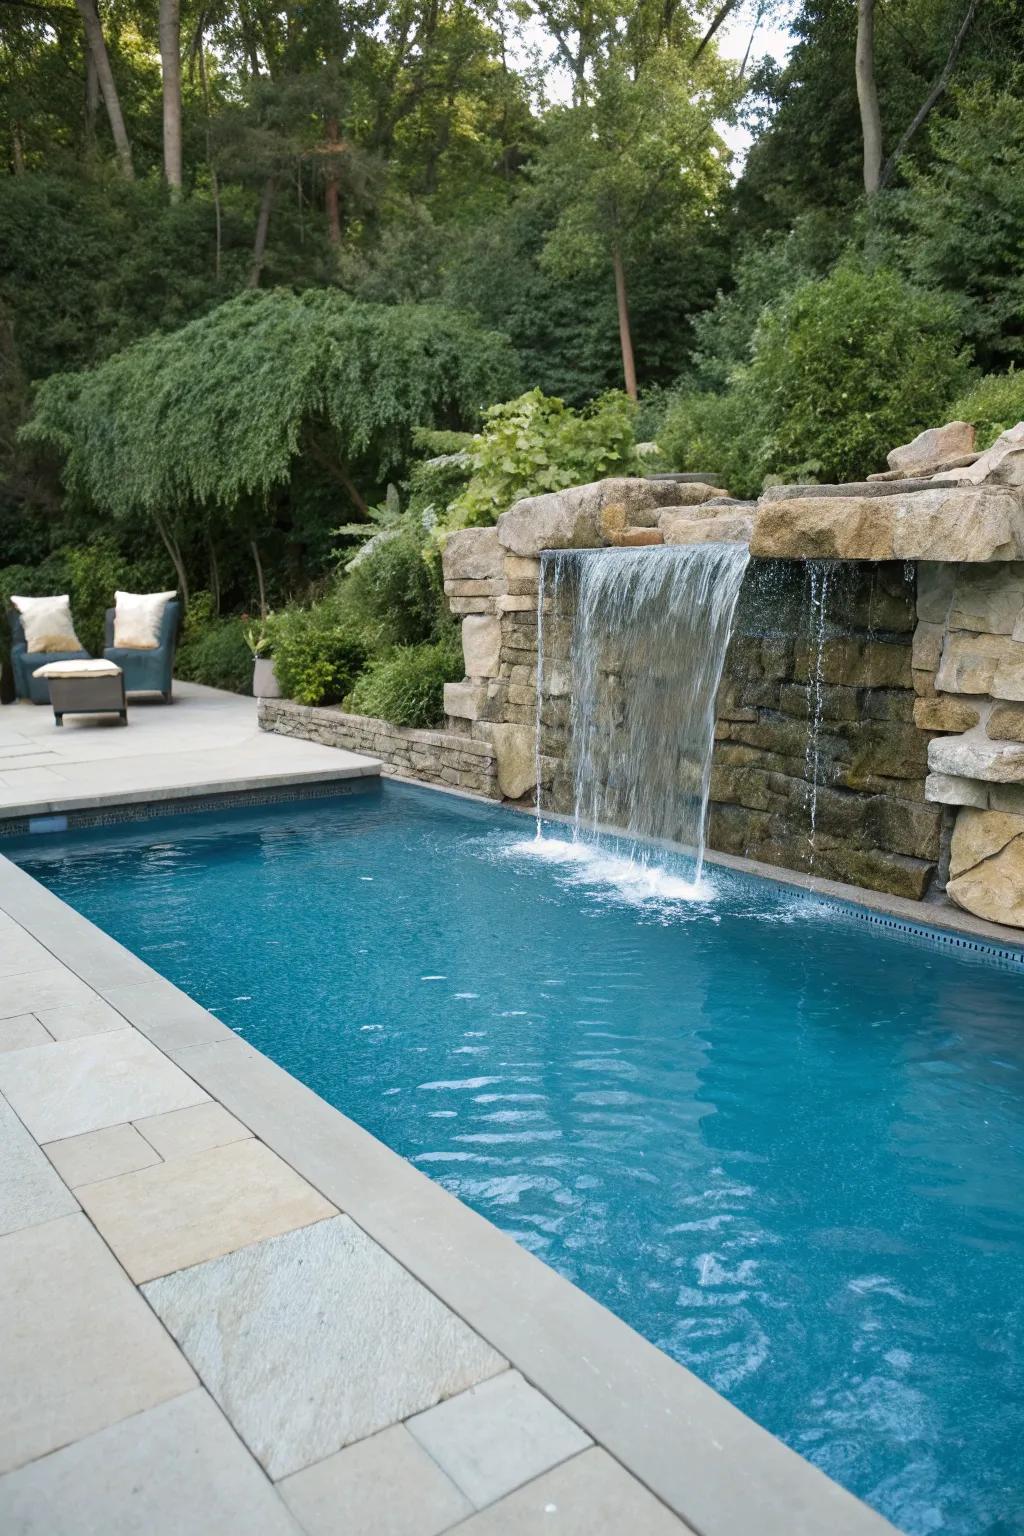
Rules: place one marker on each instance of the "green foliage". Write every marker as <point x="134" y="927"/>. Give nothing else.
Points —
<point x="317" y="650"/>
<point x="844" y="368"/>
<point x="218" y="657"/>
<point x="218" y="411"/>
<point x="958" y="228"/>
<point x="992" y="404"/>
<point x="406" y="686"/>
<point x="394" y="589"/>
<point x="536" y="443"/>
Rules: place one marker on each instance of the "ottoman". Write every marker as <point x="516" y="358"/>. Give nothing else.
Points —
<point x="84" y="688"/>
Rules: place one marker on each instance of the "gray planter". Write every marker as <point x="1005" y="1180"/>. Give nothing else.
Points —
<point x="264" y="683"/>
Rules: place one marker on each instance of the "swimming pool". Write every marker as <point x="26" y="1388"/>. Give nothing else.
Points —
<point x="785" y="1145"/>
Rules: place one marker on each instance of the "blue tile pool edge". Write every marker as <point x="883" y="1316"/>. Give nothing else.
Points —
<point x="719" y="1471"/>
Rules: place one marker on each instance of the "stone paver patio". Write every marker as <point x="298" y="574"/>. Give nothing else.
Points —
<point x="206" y="740"/>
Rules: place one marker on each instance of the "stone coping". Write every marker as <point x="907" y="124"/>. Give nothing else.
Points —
<point x="234" y="784"/>
<point x="721" y="1473"/>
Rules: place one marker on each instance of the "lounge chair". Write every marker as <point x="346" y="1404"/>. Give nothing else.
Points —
<point x="24" y="663"/>
<point x="147" y="671"/>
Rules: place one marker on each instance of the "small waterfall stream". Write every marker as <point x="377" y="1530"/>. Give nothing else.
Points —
<point x="649" y="632"/>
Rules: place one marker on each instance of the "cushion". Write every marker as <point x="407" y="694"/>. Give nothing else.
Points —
<point x="47" y="624"/>
<point x="137" y="619"/>
<point x="98" y="668"/>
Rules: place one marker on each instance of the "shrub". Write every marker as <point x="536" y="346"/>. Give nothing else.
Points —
<point x="317" y="651"/>
<point x="993" y="403"/>
<point x="406" y="686"/>
<point x="97" y="570"/>
<point x="842" y="369"/>
<point x="212" y="650"/>
<point x="538" y="443"/>
<point x="394" y="591"/>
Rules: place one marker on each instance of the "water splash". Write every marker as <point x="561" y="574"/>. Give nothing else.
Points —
<point x="650" y="628"/>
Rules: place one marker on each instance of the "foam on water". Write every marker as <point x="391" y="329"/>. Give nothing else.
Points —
<point x="629" y="876"/>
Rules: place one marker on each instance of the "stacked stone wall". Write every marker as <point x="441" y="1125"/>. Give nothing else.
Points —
<point x="436" y="757"/>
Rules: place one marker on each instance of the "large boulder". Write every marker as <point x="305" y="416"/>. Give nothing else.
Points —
<point x="1003" y="463"/>
<point x="728" y="526"/>
<point x="929" y="450"/>
<point x="975" y="756"/>
<point x="571" y="519"/>
<point x="953" y="523"/>
<point x="986" y="866"/>
<point x="473" y="554"/>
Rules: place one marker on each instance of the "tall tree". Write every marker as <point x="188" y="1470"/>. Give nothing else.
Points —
<point x="97" y="47"/>
<point x="170" y="65"/>
<point x="643" y="156"/>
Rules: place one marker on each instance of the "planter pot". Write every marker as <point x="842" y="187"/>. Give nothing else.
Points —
<point x="264" y="683"/>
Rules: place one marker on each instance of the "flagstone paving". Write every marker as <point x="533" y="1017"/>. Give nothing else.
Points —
<point x="193" y="1339"/>
<point x="206" y="740"/>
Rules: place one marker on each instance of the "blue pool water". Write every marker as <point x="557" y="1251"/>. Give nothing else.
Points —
<point x="784" y="1144"/>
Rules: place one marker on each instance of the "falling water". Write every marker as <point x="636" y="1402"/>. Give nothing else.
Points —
<point x="650" y="628"/>
<point x="819" y="576"/>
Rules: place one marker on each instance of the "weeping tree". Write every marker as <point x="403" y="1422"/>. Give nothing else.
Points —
<point x="202" y="429"/>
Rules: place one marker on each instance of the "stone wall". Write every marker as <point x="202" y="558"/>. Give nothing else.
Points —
<point x="436" y="757"/>
<point x="818" y="765"/>
<point x="866" y="819"/>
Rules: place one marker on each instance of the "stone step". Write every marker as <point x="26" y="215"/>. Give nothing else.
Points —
<point x="975" y="756"/>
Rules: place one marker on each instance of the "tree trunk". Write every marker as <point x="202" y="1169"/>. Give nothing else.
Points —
<point x="625" y="329"/>
<point x="98" y="49"/>
<point x="259" y="244"/>
<point x="259" y="577"/>
<point x="214" y="182"/>
<point x="867" y="95"/>
<point x="173" y="548"/>
<point x="170" y="65"/>
<point x="214" y="576"/>
<point x="17" y="151"/>
<point x="937" y="90"/>
<point x="331" y="201"/>
<point x="92" y="101"/>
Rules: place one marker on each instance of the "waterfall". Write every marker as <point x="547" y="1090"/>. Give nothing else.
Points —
<point x="649" y="629"/>
<point x="819" y="576"/>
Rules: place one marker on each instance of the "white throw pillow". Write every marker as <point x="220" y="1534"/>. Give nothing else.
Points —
<point x="137" y="619"/>
<point x="47" y="624"/>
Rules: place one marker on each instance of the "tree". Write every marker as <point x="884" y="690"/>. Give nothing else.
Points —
<point x="170" y="65"/>
<point x="104" y="75"/>
<point x="208" y="425"/>
<point x="640" y="159"/>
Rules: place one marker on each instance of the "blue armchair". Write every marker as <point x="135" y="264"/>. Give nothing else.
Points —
<point x="24" y="662"/>
<point x="148" y="671"/>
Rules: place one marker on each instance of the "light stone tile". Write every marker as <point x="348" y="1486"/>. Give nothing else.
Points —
<point x="591" y="1495"/>
<point x="176" y="1470"/>
<point x="317" y="1339"/>
<point x="100" y="1155"/>
<point x="192" y="1130"/>
<point x="31" y="992"/>
<point x="199" y="1207"/>
<point x="79" y="1348"/>
<point x="92" y="1016"/>
<point x="30" y="1191"/>
<point x="386" y="1485"/>
<point x="18" y="1033"/>
<point x="74" y="1086"/>
<point x="497" y="1436"/>
<point x="20" y="954"/>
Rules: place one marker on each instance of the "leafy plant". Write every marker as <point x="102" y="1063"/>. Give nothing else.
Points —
<point x="538" y="443"/>
<point x="993" y="403"/>
<point x="318" y="651"/>
<point x="406" y="686"/>
<point x="216" y="654"/>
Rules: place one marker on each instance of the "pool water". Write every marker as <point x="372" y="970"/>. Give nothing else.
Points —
<point x="784" y="1144"/>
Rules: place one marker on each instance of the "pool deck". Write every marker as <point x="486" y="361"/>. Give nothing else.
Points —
<point x="206" y="741"/>
<point x="224" y="1307"/>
